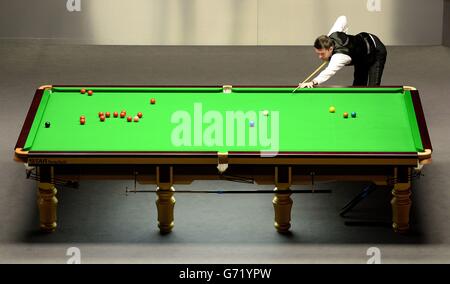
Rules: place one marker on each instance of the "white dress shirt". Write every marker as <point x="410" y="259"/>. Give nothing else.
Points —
<point x="338" y="60"/>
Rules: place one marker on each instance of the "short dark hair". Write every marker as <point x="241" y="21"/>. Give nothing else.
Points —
<point x="323" y="41"/>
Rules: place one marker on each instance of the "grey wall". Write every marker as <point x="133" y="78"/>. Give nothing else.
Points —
<point x="220" y="22"/>
<point x="446" y="25"/>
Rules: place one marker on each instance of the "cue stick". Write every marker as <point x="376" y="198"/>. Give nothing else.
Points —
<point x="312" y="74"/>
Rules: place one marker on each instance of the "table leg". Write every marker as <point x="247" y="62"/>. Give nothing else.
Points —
<point x="47" y="201"/>
<point x="166" y="201"/>
<point x="401" y="205"/>
<point x="165" y="204"/>
<point x="282" y="202"/>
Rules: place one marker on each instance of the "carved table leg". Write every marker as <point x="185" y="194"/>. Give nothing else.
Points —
<point x="401" y="202"/>
<point x="47" y="201"/>
<point x="282" y="201"/>
<point x="166" y="200"/>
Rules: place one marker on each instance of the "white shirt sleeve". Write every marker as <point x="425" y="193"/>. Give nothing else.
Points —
<point x="340" y="25"/>
<point x="337" y="61"/>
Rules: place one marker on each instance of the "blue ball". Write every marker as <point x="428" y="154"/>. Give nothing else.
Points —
<point x="252" y="123"/>
<point x="353" y="114"/>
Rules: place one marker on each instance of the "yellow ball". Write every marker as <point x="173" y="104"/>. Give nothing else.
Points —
<point x="332" y="109"/>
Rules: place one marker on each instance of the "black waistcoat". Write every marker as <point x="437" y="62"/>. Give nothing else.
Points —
<point x="352" y="45"/>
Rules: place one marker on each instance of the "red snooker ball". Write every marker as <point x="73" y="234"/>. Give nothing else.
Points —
<point x="107" y="114"/>
<point x="90" y="92"/>
<point x="102" y="118"/>
<point x="122" y="115"/>
<point x="82" y="121"/>
<point x="129" y="119"/>
<point x="82" y="117"/>
<point x="152" y="101"/>
<point x="139" y="114"/>
<point x="100" y="114"/>
<point x="83" y="91"/>
<point x="115" y="114"/>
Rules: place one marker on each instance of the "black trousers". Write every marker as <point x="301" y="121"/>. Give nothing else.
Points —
<point x="370" y="71"/>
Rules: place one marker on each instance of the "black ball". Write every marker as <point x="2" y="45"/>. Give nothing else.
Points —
<point x="47" y="124"/>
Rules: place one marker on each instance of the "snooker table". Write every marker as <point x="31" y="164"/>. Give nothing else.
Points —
<point x="267" y="134"/>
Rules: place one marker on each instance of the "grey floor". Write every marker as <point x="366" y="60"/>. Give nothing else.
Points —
<point x="109" y="226"/>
